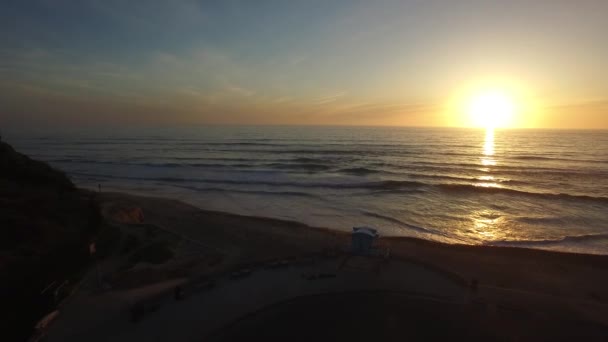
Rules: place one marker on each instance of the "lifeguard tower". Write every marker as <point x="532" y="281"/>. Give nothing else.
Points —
<point x="362" y="240"/>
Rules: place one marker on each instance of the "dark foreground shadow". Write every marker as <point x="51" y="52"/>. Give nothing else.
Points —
<point x="397" y="317"/>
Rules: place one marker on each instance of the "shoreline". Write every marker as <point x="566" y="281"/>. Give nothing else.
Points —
<point x="251" y="238"/>
<point x="541" y="244"/>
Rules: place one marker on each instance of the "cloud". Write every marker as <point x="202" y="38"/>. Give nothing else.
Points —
<point x="240" y="91"/>
<point x="233" y="88"/>
<point x="283" y="99"/>
<point x="297" y="60"/>
<point x="380" y="113"/>
<point x="166" y="59"/>
<point x="591" y="103"/>
<point x="326" y="99"/>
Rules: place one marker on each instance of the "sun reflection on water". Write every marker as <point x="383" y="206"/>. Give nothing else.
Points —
<point x="488" y="162"/>
<point x="487" y="185"/>
<point x="487" y="224"/>
<point x="487" y="159"/>
<point x="487" y="182"/>
<point x="488" y="146"/>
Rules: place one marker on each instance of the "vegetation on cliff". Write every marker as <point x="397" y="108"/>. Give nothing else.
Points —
<point x="46" y="225"/>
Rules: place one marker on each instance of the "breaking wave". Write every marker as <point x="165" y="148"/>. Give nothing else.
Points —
<point x="549" y="242"/>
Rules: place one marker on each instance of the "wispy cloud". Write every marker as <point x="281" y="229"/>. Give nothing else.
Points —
<point x="240" y="91"/>
<point x="589" y="103"/>
<point x="234" y="88"/>
<point x="374" y="113"/>
<point x="283" y="99"/>
<point x="326" y="99"/>
<point x="297" y="60"/>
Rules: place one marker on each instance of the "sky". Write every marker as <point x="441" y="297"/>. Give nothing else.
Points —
<point x="402" y="63"/>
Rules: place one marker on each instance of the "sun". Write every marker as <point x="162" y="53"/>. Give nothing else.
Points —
<point x="491" y="109"/>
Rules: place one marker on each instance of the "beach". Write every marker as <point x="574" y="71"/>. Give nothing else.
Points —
<point x="256" y="238"/>
<point x="560" y="286"/>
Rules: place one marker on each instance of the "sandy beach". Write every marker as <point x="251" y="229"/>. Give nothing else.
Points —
<point x="247" y="239"/>
<point x="233" y="254"/>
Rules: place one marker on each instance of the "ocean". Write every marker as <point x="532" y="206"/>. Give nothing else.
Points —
<point x="529" y="188"/>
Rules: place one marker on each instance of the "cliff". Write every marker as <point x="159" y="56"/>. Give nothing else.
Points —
<point x="45" y="228"/>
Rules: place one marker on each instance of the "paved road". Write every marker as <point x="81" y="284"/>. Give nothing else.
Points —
<point x="106" y="317"/>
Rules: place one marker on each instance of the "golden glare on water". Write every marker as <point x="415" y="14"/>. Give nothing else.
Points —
<point x="491" y="109"/>
<point x="487" y="225"/>
<point x="487" y="158"/>
<point x="488" y="146"/>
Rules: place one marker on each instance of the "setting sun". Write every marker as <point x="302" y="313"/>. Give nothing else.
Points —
<point x="491" y="109"/>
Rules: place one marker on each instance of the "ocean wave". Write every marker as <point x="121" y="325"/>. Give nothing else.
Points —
<point x="550" y="242"/>
<point x="297" y="166"/>
<point x="464" y="179"/>
<point x="412" y="227"/>
<point x="310" y="167"/>
<point x="227" y="143"/>
<point x="536" y="172"/>
<point x="155" y="165"/>
<point x="394" y="184"/>
<point x="529" y="157"/>
<point x="63" y="160"/>
<point x="541" y="220"/>
<point x="559" y="159"/>
<point x="499" y="167"/>
<point x="84" y="161"/>
<point x="85" y="143"/>
<point x="379" y="185"/>
<point x="399" y="222"/>
<point x="468" y="188"/>
<point x="359" y="171"/>
<point x="251" y="192"/>
<point x="317" y="151"/>
<point x="322" y="164"/>
<point x="443" y="164"/>
<point x="308" y="160"/>
<point x="384" y="185"/>
<point x="260" y="166"/>
<point x="226" y="159"/>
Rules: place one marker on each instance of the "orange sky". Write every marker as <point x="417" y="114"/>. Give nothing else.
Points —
<point x="406" y="63"/>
